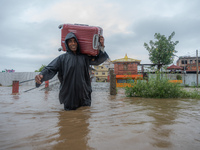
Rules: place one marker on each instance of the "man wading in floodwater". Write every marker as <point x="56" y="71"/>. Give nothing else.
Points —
<point x="73" y="73"/>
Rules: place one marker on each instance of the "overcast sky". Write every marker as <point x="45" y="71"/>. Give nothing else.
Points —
<point x="30" y="36"/>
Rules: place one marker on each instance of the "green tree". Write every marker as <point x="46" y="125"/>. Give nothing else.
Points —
<point x="162" y="51"/>
<point x="42" y="67"/>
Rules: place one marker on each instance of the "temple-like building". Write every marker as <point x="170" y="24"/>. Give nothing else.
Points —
<point x="126" y="70"/>
<point x="126" y="66"/>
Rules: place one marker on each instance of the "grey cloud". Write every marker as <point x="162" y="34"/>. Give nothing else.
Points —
<point x="33" y="38"/>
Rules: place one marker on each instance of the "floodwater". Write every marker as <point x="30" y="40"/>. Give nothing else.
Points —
<point x="36" y="121"/>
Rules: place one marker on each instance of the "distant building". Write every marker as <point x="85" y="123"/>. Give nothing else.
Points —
<point x="8" y="70"/>
<point x="188" y="63"/>
<point x="101" y="72"/>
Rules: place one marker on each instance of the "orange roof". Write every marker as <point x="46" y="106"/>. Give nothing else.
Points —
<point x="174" y="67"/>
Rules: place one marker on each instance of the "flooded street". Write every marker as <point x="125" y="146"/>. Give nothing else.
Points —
<point x="36" y="120"/>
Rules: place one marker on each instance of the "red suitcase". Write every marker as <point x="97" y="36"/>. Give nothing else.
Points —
<point x="88" y="37"/>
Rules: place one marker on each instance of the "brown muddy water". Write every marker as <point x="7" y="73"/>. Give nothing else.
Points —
<point x="36" y="121"/>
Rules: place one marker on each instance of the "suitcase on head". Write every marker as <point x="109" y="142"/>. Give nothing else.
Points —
<point x="88" y="37"/>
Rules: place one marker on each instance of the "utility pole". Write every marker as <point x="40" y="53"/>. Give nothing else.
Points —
<point x="184" y="70"/>
<point x="197" y="65"/>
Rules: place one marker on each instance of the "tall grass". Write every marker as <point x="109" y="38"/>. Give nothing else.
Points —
<point x="159" y="88"/>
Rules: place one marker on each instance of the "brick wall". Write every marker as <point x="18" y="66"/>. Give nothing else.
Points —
<point x="125" y="68"/>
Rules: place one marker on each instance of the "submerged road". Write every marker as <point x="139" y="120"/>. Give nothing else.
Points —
<point x="36" y="120"/>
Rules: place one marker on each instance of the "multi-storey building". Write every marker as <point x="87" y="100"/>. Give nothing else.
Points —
<point x="101" y="72"/>
<point x="189" y="64"/>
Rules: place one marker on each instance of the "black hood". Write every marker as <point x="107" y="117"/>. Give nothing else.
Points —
<point x="69" y="36"/>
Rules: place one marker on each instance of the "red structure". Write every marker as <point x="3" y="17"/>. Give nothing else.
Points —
<point x="174" y="67"/>
<point x="126" y="66"/>
<point x="189" y="64"/>
<point x="15" y="87"/>
<point x="126" y="71"/>
<point x="46" y="84"/>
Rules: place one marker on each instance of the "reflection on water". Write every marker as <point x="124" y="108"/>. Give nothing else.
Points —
<point x="164" y="115"/>
<point x="73" y="129"/>
<point x="36" y="120"/>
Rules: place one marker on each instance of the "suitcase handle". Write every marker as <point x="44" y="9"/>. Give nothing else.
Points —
<point x="95" y="41"/>
<point x="78" y="24"/>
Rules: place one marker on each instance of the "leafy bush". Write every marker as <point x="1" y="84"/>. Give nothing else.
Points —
<point x="186" y="85"/>
<point x="159" y="88"/>
<point x="179" y="77"/>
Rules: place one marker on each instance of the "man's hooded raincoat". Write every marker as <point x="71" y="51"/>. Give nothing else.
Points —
<point x="73" y="73"/>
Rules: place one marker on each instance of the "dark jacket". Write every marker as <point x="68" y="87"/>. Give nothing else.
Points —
<point x="73" y="73"/>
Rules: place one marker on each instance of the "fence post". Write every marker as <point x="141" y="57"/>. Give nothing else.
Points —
<point x="46" y="84"/>
<point x="15" y="87"/>
<point x="112" y="83"/>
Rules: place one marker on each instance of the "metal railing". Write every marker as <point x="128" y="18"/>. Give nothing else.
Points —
<point x="15" y="85"/>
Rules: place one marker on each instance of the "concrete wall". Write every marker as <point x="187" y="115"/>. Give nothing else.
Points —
<point x="188" y="79"/>
<point x="191" y="79"/>
<point x="6" y="79"/>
